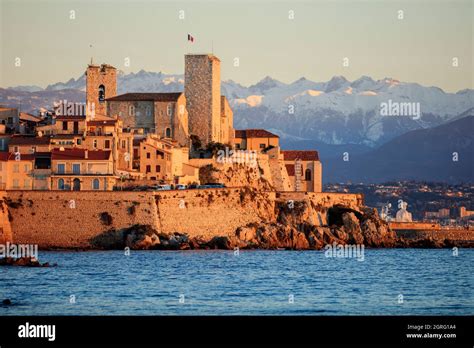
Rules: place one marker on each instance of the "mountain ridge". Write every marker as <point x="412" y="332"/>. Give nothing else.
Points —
<point x="337" y="111"/>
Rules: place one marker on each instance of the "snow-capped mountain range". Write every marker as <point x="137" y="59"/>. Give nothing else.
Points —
<point x="337" y="111"/>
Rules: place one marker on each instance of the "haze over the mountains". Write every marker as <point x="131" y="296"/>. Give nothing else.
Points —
<point x="334" y="116"/>
<point x="337" y="111"/>
<point x="440" y="154"/>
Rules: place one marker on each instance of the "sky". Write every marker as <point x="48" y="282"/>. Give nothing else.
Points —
<point x="419" y="44"/>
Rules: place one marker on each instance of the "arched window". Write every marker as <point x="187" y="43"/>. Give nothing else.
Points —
<point x="131" y="110"/>
<point x="76" y="184"/>
<point x="169" y="109"/>
<point x="95" y="184"/>
<point x="168" y="133"/>
<point x="61" y="184"/>
<point x="307" y="175"/>
<point x="101" y="93"/>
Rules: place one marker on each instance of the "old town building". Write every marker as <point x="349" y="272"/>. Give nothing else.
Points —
<point x="144" y="138"/>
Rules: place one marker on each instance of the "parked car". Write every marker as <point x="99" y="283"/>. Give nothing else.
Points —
<point x="162" y="187"/>
<point x="214" y="185"/>
<point x="140" y="188"/>
<point x="180" y="187"/>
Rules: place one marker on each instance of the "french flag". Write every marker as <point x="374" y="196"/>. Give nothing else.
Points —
<point x="190" y="38"/>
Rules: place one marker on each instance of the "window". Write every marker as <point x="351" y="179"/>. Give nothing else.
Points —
<point x="148" y="111"/>
<point x="61" y="168"/>
<point x="168" y="133"/>
<point x="95" y="143"/>
<point x="16" y="149"/>
<point x="33" y="149"/>
<point x="262" y="146"/>
<point x="169" y="109"/>
<point x="10" y="120"/>
<point x="16" y="184"/>
<point x="76" y="168"/>
<point x="107" y="144"/>
<point x="16" y="168"/>
<point x="307" y="175"/>
<point x="78" y="141"/>
<point x="26" y="168"/>
<point x="147" y="155"/>
<point x="26" y="183"/>
<point x="95" y="184"/>
<point x="158" y="169"/>
<point x="64" y="125"/>
<point x="101" y="93"/>
<point x="76" y="184"/>
<point x="131" y="110"/>
<point x="148" y="169"/>
<point x="124" y="144"/>
<point x="61" y="184"/>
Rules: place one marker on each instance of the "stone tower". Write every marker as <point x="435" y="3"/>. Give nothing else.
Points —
<point x="202" y="89"/>
<point x="101" y="83"/>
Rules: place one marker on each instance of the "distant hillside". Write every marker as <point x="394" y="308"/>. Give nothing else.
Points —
<point x="424" y="154"/>
<point x="326" y="151"/>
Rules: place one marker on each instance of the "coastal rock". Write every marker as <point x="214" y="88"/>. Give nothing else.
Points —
<point x="141" y="237"/>
<point x="142" y="242"/>
<point x="247" y="234"/>
<point x="352" y="228"/>
<point x="220" y="243"/>
<point x="234" y="175"/>
<point x="294" y="229"/>
<point x="24" y="262"/>
<point x="300" y="242"/>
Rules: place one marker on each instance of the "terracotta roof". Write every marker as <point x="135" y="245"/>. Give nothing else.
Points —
<point x="28" y="117"/>
<point x="79" y="154"/>
<point x="164" y="97"/>
<point x="10" y="156"/>
<point x="254" y="133"/>
<point x="290" y="168"/>
<point x="19" y="140"/>
<point x="292" y="155"/>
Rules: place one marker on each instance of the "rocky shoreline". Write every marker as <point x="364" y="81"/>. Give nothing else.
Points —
<point x="291" y="231"/>
<point x="24" y="262"/>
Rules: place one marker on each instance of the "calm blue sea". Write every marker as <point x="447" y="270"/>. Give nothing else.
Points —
<point x="431" y="281"/>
